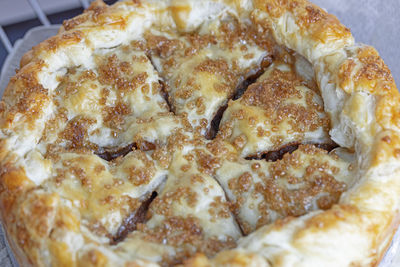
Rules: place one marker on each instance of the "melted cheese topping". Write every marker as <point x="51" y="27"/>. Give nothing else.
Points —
<point x="278" y="110"/>
<point x="262" y="192"/>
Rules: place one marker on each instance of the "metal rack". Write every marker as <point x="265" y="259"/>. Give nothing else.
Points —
<point x="40" y="15"/>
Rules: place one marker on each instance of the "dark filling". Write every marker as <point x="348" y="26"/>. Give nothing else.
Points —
<point x="131" y="222"/>
<point x="242" y="87"/>
<point x="278" y="154"/>
<point x="328" y="147"/>
<point x="113" y="154"/>
<point x="164" y="92"/>
<point x="214" y="127"/>
<point x="145" y="146"/>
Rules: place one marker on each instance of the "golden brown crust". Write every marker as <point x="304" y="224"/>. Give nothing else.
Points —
<point x="39" y="211"/>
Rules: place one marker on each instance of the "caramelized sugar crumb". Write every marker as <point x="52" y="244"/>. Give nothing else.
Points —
<point x="270" y="93"/>
<point x="219" y="208"/>
<point x="162" y="45"/>
<point x="218" y="67"/>
<point x="187" y="235"/>
<point x="114" y="116"/>
<point x="206" y="162"/>
<point x="163" y="205"/>
<point x="76" y="133"/>
<point x="141" y="175"/>
<point x="317" y="182"/>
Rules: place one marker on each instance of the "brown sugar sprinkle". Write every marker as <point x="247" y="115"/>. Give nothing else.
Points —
<point x="99" y="168"/>
<point x="240" y="141"/>
<point x="195" y="178"/>
<point x="270" y="93"/>
<point x="33" y="97"/>
<point x="54" y="42"/>
<point x="241" y="184"/>
<point x="221" y="68"/>
<point x="217" y="147"/>
<point x="373" y="68"/>
<point x="76" y="132"/>
<point x="109" y="72"/>
<point x="54" y="124"/>
<point x="162" y="156"/>
<point x="219" y="208"/>
<point x="139" y="80"/>
<point x="80" y="174"/>
<point x="316" y="186"/>
<point x="69" y="88"/>
<point x="142" y="175"/>
<point x="186" y="234"/>
<point x="116" y="73"/>
<point x="207" y="163"/>
<point x="314" y="15"/>
<point x="255" y="166"/>
<point x="87" y="75"/>
<point x="316" y="180"/>
<point x="96" y="9"/>
<point x="163" y="205"/>
<point x="198" y="41"/>
<point x="162" y="45"/>
<point x="176" y="231"/>
<point x="185" y="168"/>
<point x="114" y="116"/>
<point x="201" y="108"/>
<point x="234" y="32"/>
<point x="138" y="45"/>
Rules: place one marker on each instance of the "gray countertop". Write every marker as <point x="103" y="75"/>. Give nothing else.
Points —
<point x="372" y="22"/>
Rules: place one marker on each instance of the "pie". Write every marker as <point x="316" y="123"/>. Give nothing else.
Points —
<point x="201" y="133"/>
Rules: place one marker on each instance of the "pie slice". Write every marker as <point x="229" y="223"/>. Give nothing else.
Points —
<point x="121" y="92"/>
<point x="307" y="179"/>
<point x="191" y="212"/>
<point x="200" y="133"/>
<point x="277" y="110"/>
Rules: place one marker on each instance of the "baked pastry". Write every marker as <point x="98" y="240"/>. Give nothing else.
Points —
<point x="203" y="133"/>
